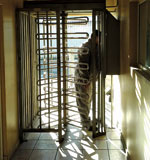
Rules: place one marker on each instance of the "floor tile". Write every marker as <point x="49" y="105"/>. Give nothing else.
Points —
<point x="100" y="144"/>
<point x="113" y="135"/>
<point x="91" y="154"/>
<point x="46" y="144"/>
<point x="101" y="137"/>
<point x="73" y="135"/>
<point x="69" y="154"/>
<point x="78" y="144"/>
<point x="29" y="144"/>
<point x="117" y="155"/>
<point x="21" y="155"/>
<point x="33" y="136"/>
<point x="71" y="144"/>
<point x="89" y="135"/>
<point x="73" y="128"/>
<point x="114" y="144"/>
<point x="43" y="155"/>
<point x="52" y="136"/>
<point x="108" y="129"/>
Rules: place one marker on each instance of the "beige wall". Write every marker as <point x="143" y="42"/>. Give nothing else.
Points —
<point x="133" y="89"/>
<point x="1" y="66"/>
<point x="10" y="109"/>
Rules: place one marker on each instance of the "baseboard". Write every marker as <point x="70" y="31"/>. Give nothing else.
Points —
<point x="13" y="151"/>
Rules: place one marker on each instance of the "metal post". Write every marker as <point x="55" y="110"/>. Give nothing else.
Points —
<point x="39" y="67"/>
<point x="94" y="71"/>
<point x="19" y="67"/>
<point x="99" y="88"/>
<point x="64" y="66"/>
<point x="103" y="57"/>
<point x="112" y="117"/>
<point x="30" y="55"/>
<point x="48" y="69"/>
<point x="59" y="76"/>
<point x="25" y="69"/>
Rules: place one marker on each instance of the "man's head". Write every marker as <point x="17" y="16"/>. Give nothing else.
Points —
<point x="98" y="36"/>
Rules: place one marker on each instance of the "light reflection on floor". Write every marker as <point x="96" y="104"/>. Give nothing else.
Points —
<point x="77" y="144"/>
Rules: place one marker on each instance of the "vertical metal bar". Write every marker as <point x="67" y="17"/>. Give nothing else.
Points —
<point x="36" y="47"/>
<point x="32" y="69"/>
<point x="102" y="72"/>
<point x="19" y="67"/>
<point x="98" y="95"/>
<point x="103" y="75"/>
<point x="103" y="103"/>
<point x="30" y="54"/>
<point x="44" y="45"/>
<point x="111" y="103"/>
<point x="51" y="56"/>
<point x="25" y="64"/>
<point x="27" y="71"/>
<point x="94" y="71"/>
<point x="39" y="68"/>
<point x="59" y="76"/>
<point x="64" y="66"/>
<point x="48" y="68"/>
<point x="22" y="69"/>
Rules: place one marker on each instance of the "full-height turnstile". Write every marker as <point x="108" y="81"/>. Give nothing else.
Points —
<point x="49" y="39"/>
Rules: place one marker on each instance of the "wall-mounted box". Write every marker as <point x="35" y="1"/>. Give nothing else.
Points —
<point x="112" y="35"/>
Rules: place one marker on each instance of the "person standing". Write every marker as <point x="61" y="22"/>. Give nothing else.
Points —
<point x="84" y="76"/>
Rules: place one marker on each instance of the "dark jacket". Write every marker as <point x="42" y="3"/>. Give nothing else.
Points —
<point x="85" y="57"/>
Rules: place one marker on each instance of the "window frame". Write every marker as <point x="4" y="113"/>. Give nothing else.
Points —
<point x="144" y="66"/>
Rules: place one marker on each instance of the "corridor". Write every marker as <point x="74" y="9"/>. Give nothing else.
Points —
<point x="39" y="44"/>
<point x="77" y="145"/>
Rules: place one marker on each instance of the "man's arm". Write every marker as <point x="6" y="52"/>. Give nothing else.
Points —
<point x="84" y="62"/>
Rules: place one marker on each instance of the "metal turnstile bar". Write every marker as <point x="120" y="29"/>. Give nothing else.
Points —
<point x="59" y="76"/>
<point x="94" y="71"/>
<point x="30" y="54"/>
<point x="77" y="20"/>
<point x="39" y="69"/>
<point x="47" y="39"/>
<point x="42" y="36"/>
<point x="53" y="65"/>
<point x="54" y="53"/>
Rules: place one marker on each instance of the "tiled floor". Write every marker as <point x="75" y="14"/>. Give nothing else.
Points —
<point x="77" y="145"/>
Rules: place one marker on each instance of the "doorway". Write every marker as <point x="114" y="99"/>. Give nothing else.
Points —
<point x="49" y="41"/>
